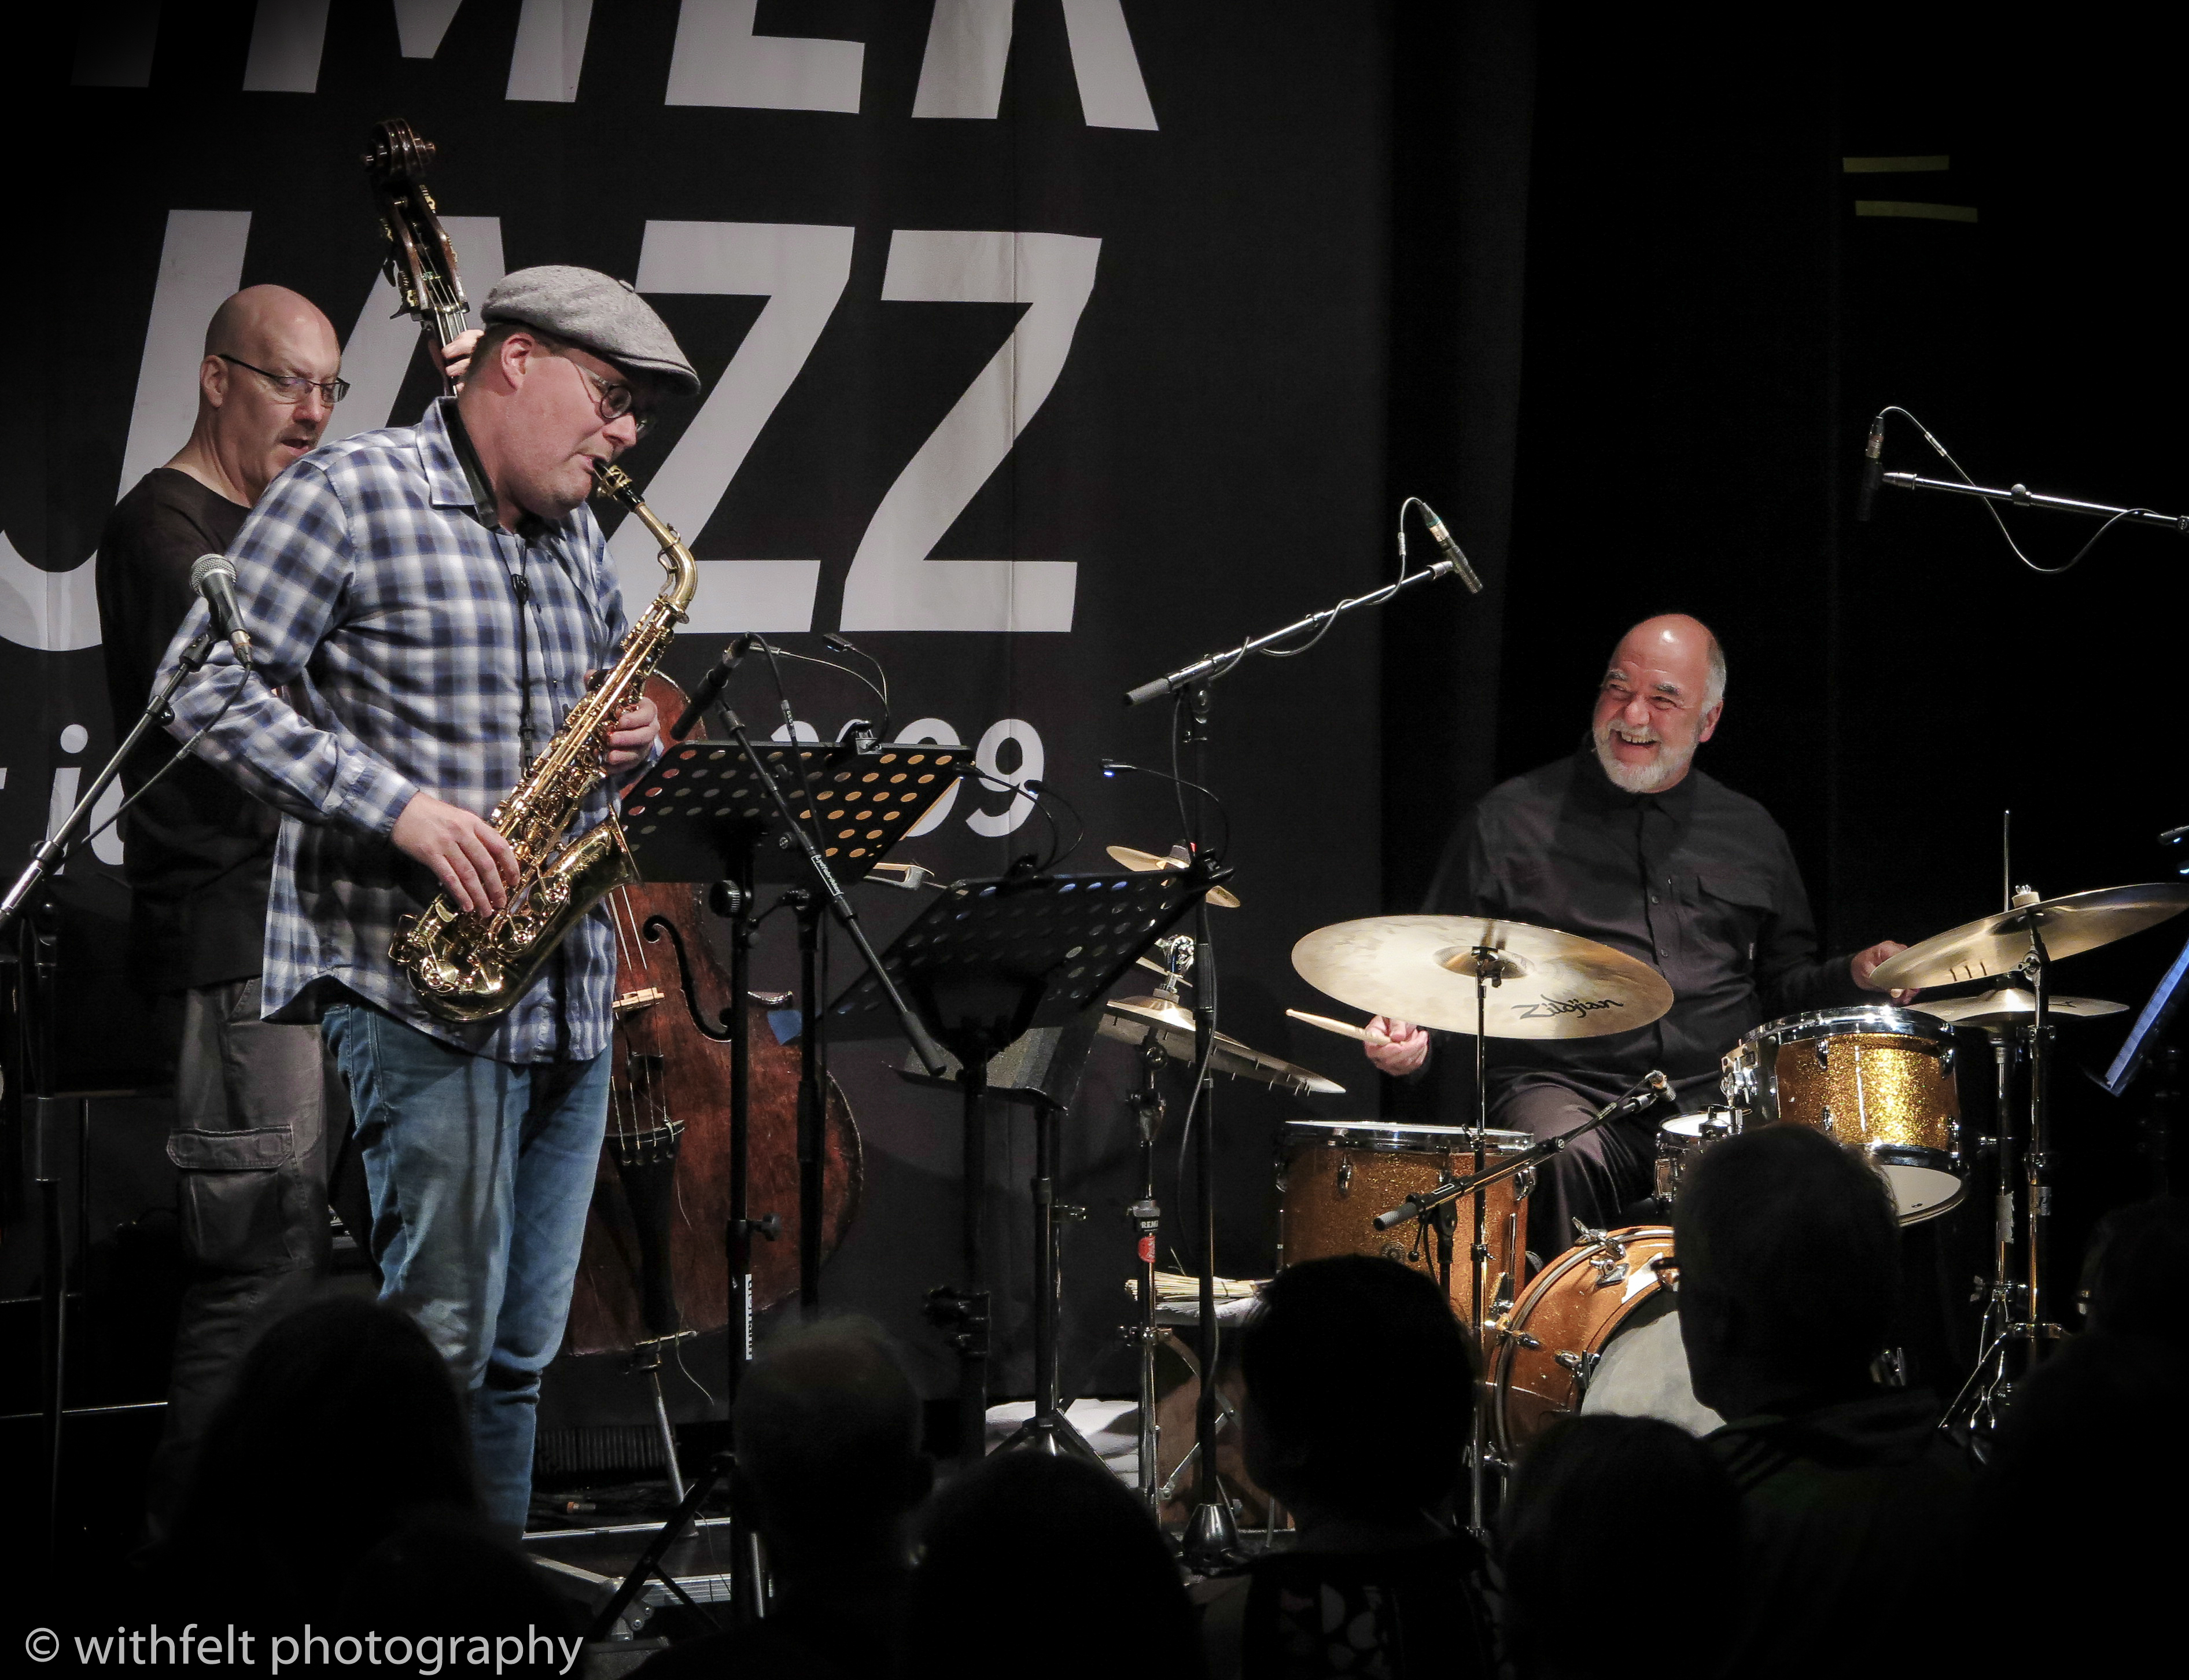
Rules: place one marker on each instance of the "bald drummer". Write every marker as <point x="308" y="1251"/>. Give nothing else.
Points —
<point x="1625" y="842"/>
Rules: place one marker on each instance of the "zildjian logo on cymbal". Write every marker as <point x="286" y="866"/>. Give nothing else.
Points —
<point x="1558" y="1006"/>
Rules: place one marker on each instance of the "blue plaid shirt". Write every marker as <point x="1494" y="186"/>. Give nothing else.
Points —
<point x="378" y="590"/>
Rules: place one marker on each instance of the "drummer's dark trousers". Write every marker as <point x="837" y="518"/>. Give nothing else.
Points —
<point x="1597" y="1179"/>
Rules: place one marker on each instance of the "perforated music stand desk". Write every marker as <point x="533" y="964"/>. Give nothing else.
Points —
<point x="700" y="805"/>
<point x="985" y="962"/>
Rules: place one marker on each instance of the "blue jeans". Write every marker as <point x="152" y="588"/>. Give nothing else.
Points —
<point x="480" y="1173"/>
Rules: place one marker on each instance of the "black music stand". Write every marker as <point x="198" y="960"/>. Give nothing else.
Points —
<point x="730" y="812"/>
<point x="983" y="963"/>
<point x="716" y="813"/>
<point x="1041" y="1069"/>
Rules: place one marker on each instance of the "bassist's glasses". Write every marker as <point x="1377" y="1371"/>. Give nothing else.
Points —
<point x="289" y="387"/>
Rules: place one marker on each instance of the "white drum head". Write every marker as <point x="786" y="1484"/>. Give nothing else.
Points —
<point x="1921" y="1192"/>
<point x="1644" y="1373"/>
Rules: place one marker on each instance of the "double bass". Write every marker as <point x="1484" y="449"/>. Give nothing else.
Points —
<point x="655" y="1268"/>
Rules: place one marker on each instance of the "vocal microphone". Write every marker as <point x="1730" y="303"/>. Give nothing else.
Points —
<point x="1873" y="470"/>
<point x="1453" y="557"/>
<point x="712" y="686"/>
<point x="213" y="577"/>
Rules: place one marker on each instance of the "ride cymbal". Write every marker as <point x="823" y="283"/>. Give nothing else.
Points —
<point x="1997" y="943"/>
<point x="1130" y="1020"/>
<point x="1141" y="862"/>
<point x="1421" y="969"/>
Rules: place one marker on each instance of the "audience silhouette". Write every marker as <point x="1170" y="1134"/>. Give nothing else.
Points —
<point x="1854" y="1507"/>
<point x="829" y="1467"/>
<point x="1358" y="1406"/>
<point x="1048" y="1566"/>
<point x="2073" y="1464"/>
<point x="1594" y="1486"/>
<point x="335" y="1488"/>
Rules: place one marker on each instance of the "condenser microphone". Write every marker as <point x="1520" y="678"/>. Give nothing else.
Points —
<point x="712" y="686"/>
<point x="1873" y="471"/>
<point x="1453" y="557"/>
<point x="213" y="577"/>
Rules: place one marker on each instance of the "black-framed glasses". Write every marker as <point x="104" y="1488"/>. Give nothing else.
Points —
<point x="613" y="401"/>
<point x="289" y="387"/>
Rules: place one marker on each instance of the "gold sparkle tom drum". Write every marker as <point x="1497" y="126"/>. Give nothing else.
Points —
<point x="1335" y="1176"/>
<point x="1874" y="1078"/>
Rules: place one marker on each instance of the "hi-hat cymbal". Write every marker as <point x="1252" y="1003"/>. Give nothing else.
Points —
<point x="1996" y="944"/>
<point x="2009" y="1006"/>
<point x="1140" y="862"/>
<point x="1130" y="1019"/>
<point x="1421" y="969"/>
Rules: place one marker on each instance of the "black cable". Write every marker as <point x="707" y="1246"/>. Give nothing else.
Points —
<point x="881" y="694"/>
<point x="152" y="781"/>
<point x="1111" y="766"/>
<point x="797" y="754"/>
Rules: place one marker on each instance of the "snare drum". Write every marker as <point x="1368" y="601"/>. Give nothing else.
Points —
<point x="1874" y="1078"/>
<point x="1597" y="1330"/>
<point x="1681" y="1140"/>
<point x="1335" y="1176"/>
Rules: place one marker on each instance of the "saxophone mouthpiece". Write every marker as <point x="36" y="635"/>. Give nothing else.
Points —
<point x="611" y="481"/>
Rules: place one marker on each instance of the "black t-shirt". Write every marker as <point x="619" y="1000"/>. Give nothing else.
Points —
<point x="198" y="851"/>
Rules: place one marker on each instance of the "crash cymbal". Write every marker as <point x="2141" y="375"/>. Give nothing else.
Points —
<point x="1997" y="943"/>
<point x="2010" y="1006"/>
<point x="1140" y="862"/>
<point x="1129" y="1019"/>
<point x="1421" y="969"/>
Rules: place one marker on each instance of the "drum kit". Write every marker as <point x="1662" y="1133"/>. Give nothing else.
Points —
<point x="1595" y="1327"/>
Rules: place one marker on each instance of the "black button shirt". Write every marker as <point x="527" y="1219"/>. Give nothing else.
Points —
<point x="1697" y="882"/>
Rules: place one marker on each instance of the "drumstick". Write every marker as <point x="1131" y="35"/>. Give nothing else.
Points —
<point x="1344" y="1028"/>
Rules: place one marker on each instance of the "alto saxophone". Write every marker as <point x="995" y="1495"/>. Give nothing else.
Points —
<point x="472" y="965"/>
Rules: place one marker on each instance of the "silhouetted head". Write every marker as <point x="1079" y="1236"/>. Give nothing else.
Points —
<point x="828" y="1443"/>
<point x="1788" y="1256"/>
<point x="343" y="1424"/>
<point x="1036" y="1563"/>
<point x="2134" y="1269"/>
<point x="1594" y="1483"/>
<point x="1360" y="1390"/>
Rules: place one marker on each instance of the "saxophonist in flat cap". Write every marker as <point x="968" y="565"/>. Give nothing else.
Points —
<point x="434" y="600"/>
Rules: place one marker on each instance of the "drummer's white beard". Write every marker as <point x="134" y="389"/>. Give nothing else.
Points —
<point x="1672" y="762"/>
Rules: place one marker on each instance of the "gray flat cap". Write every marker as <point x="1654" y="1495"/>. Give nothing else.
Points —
<point x="595" y="312"/>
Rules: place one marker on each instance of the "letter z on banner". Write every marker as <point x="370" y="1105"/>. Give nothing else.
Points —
<point x="892" y="584"/>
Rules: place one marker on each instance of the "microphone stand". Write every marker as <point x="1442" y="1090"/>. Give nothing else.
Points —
<point x="1427" y="1200"/>
<point x="1212" y="1532"/>
<point x="2021" y="496"/>
<point x="34" y="1020"/>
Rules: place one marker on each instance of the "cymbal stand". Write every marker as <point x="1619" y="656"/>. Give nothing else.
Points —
<point x="1489" y="971"/>
<point x="1146" y="1215"/>
<point x="1988" y="1383"/>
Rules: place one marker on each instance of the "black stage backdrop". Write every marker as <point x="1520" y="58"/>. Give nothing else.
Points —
<point x="1045" y="348"/>
<point x="1226" y="282"/>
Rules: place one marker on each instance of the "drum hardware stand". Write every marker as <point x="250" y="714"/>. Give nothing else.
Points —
<point x="1146" y="1215"/>
<point x="1988" y="1385"/>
